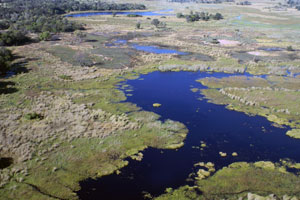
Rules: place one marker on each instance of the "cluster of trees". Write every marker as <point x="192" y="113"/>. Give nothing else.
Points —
<point x="192" y="17"/>
<point x="6" y="57"/>
<point x="244" y="3"/>
<point x="158" y="24"/>
<point x="44" y="17"/>
<point x="294" y="3"/>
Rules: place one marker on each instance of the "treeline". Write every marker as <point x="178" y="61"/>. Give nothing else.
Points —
<point x="192" y="17"/>
<point x="201" y="1"/>
<point x="36" y="16"/>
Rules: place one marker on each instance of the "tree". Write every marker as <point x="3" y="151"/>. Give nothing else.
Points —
<point x="217" y="16"/>
<point x="155" y="22"/>
<point x="5" y="59"/>
<point x="289" y="48"/>
<point x="158" y="24"/>
<point x="138" y="25"/>
<point x="179" y="15"/>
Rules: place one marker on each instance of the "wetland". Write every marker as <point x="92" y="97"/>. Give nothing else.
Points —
<point x="139" y="100"/>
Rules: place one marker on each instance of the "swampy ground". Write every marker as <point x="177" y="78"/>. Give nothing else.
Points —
<point x="61" y="123"/>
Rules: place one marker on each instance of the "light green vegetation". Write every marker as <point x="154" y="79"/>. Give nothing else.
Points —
<point x="238" y="179"/>
<point x="156" y="105"/>
<point x="294" y="133"/>
<point x="275" y="98"/>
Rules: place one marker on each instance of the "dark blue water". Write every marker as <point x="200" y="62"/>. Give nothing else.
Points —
<point x="146" y="13"/>
<point x="149" y="49"/>
<point x="253" y="138"/>
<point x="157" y="50"/>
<point x="271" y="49"/>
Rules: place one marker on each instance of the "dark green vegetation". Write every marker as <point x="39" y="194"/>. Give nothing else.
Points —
<point x="238" y="179"/>
<point x="6" y="58"/>
<point x="192" y="17"/>
<point x="46" y="16"/>
<point x="13" y="37"/>
<point x="158" y="24"/>
<point x="294" y="3"/>
<point x="134" y="15"/>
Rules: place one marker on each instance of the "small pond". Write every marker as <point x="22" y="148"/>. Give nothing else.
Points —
<point x="157" y="50"/>
<point x="252" y="137"/>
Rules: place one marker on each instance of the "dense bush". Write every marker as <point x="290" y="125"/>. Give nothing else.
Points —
<point x="41" y="16"/>
<point x="13" y="37"/>
<point x="4" y="25"/>
<point x="5" y="59"/>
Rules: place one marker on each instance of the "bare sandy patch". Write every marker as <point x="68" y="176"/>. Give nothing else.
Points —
<point x="229" y="43"/>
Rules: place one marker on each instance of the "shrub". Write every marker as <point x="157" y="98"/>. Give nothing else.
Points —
<point x="138" y="25"/>
<point x="215" y="41"/>
<point x="33" y="116"/>
<point x="45" y="36"/>
<point x="5" y="59"/>
<point x="289" y="48"/>
<point x="155" y="22"/>
<point x="83" y="59"/>
<point x="179" y="15"/>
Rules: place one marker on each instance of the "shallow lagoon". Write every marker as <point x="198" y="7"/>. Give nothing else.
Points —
<point x="252" y="137"/>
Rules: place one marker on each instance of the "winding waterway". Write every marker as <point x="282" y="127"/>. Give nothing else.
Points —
<point x="252" y="137"/>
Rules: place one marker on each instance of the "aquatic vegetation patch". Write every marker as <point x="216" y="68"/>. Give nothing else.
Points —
<point x="241" y="180"/>
<point x="257" y="96"/>
<point x="156" y="105"/>
<point x="294" y="133"/>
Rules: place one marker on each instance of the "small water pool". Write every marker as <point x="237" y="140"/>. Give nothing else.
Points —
<point x="157" y="50"/>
